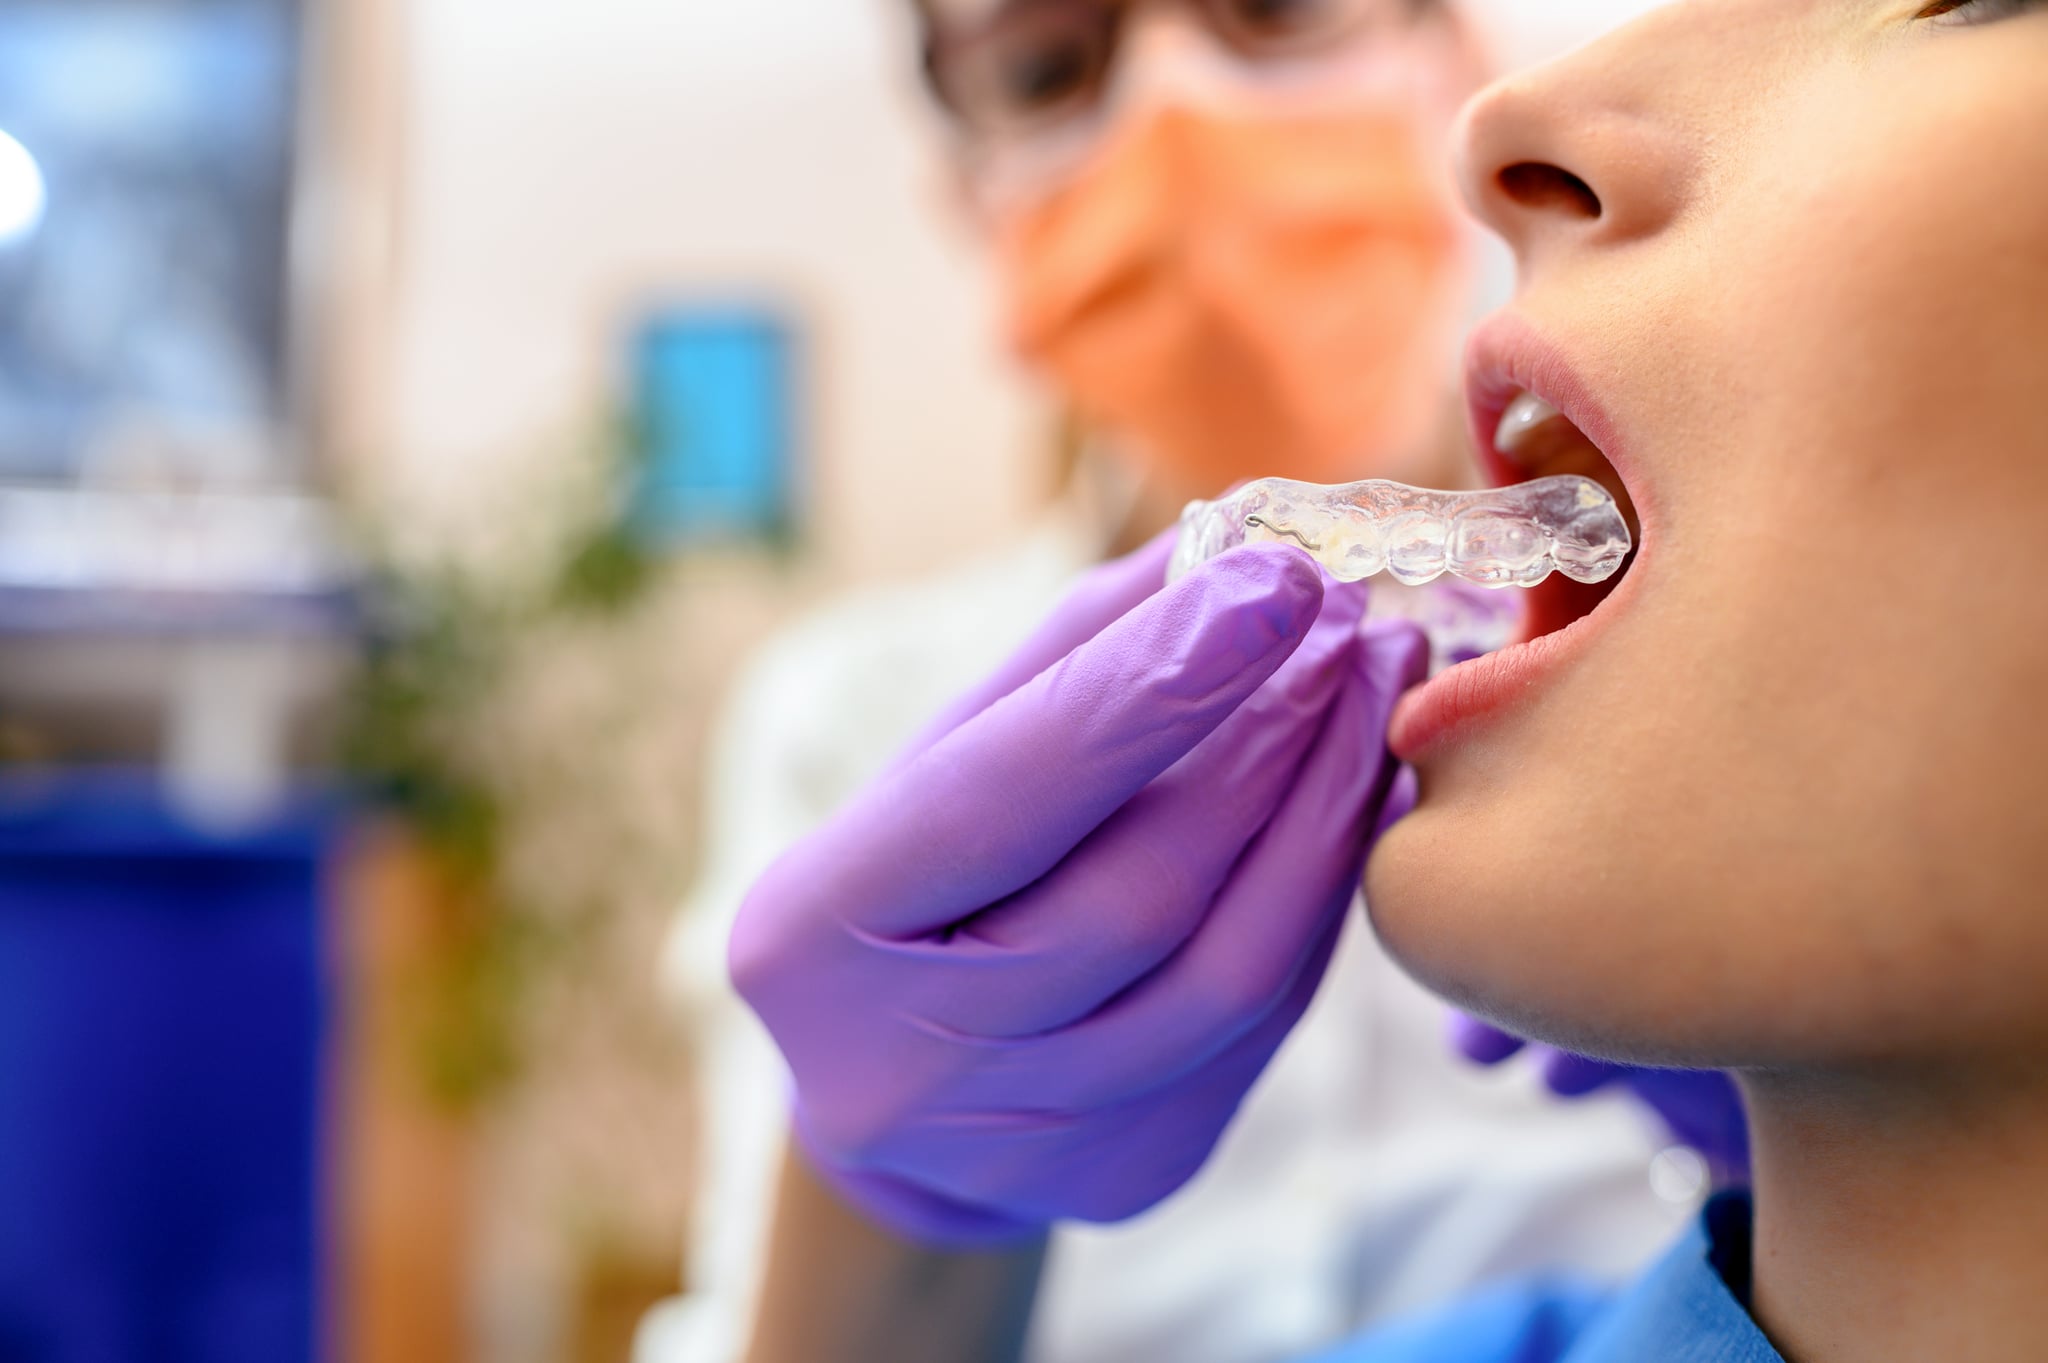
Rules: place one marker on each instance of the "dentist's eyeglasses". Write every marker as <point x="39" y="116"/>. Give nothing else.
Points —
<point x="1034" y="64"/>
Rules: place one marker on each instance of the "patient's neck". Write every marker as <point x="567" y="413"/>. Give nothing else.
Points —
<point x="1903" y="1218"/>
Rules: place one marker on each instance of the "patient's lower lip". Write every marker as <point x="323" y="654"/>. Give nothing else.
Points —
<point x="1460" y="698"/>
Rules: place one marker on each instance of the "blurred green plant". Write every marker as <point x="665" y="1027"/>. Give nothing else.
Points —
<point x="445" y="641"/>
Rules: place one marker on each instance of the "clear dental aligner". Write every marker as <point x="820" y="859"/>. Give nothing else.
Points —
<point x="1499" y="537"/>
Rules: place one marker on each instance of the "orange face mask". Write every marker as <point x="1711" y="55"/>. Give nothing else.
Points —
<point x="1246" y="297"/>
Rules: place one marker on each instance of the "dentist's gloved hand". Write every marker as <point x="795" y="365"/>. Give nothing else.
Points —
<point x="1031" y="972"/>
<point x="1702" y="1108"/>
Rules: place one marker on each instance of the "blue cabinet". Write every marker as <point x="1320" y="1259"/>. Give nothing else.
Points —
<point x="162" y="1005"/>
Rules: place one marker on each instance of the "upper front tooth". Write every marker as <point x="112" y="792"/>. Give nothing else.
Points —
<point x="1523" y="415"/>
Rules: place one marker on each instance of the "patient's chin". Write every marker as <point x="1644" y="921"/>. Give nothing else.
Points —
<point x="1505" y="937"/>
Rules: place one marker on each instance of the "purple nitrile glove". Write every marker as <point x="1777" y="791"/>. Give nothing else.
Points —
<point x="1030" y="973"/>
<point x="1701" y="1108"/>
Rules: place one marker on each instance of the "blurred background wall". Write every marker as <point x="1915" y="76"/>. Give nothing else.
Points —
<point x="564" y="167"/>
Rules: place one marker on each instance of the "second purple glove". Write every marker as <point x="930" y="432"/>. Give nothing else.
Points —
<point x="1030" y="973"/>
<point x="1701" y="1108"/>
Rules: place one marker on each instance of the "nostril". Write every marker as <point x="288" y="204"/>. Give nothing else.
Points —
<point x="1539" y="185"/>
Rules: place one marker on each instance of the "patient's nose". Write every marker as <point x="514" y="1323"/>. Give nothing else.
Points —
<point x="1593" y="148"/>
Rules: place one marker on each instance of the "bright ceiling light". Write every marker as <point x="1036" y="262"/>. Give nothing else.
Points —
<point x="21" y="192"/>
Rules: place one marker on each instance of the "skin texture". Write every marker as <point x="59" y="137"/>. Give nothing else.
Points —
<point x="1814" y="306"/>
<point x="1784" y="810"/>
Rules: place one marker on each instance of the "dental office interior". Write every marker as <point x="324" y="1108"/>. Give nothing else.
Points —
<point x="415" y="416"/>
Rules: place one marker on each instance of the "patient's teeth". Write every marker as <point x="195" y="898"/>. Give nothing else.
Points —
<point x="1523" y="416"/>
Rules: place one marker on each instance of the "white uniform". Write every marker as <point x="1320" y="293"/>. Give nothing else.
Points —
<point x="1369" y="1172"/>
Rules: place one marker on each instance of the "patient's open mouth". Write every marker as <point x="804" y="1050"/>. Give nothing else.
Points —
<point x="1533" y="439"/>
<point x="1532" y="417"/>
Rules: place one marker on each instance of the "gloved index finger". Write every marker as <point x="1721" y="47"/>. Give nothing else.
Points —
<point x="1102" y="596"/>
<point x="998" y="802"/>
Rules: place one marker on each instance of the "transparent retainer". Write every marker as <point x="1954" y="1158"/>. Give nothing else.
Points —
<point x="1499" y="537"/>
